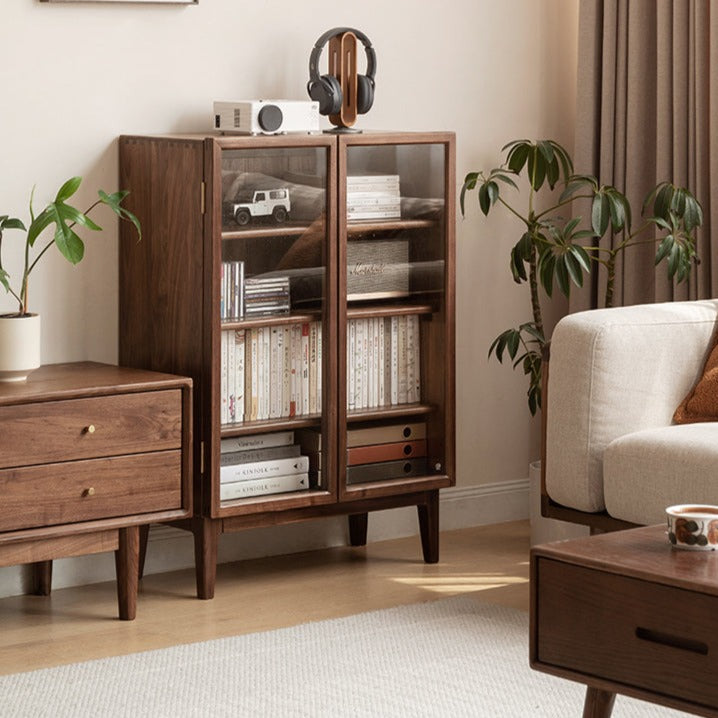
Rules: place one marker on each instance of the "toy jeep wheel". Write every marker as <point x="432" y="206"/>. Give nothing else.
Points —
<point x="279" y="214"/>
<point x="242" y="217"/>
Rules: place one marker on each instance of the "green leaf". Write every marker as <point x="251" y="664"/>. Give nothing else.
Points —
<point x="492" y="190"/>
<point x="536" y="167"/>
<point x="70" y="214"/>
<point x="574" y="269"/>
<point x="484" y="199"/>
<point x="513" y="343"/>
<point x="582" y="257"/>
<point x="505" y="178"/>
<point x="11" y="223"/>
<point x="518" y="156"/>
<point x="113" y="201"/>
<point x="518" y="271"/>
<point x="564" y="159"/>
<point x="40" y="223"/>
<point x="674" y="258"/>
<point x="600" y="214"/>
<point x="618" y="217"/>
<point x="662" y="204"/>
<point x="68" y="189"/>
<point x="562" y="280"/>
<point x="70" y="245"/>
<point x="664" y="248"/>
<point x="5" y="279"/>
<point x="546" y="268"/>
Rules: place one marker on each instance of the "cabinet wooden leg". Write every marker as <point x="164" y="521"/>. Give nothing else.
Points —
<point x="144" y="538"/>
<point x="127" y="562"/>
<point x="41" y="578"/>
<point x="206" y="539"/>
<point x="429" y="527"/>
<point x="358" y="524"/>
<point x="598" y="703"/>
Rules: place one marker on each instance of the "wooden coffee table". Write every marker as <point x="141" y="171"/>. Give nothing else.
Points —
<point x="625" y="613"/>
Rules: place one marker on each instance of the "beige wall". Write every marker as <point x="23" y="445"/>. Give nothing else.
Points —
<point x="75" y="76"/>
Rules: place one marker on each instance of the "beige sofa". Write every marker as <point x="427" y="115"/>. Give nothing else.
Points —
<point x="612" y="456"/>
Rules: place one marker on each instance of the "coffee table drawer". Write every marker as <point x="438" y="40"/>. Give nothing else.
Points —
<point x="635" y="632"/>
<point x="94" y="489"/>
<point x="84" y="428"/>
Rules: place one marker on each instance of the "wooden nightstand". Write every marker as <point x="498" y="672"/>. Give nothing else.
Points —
<point x="88" y="454"/>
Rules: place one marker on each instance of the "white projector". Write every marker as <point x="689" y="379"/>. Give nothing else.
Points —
<point x="267" y="117"/>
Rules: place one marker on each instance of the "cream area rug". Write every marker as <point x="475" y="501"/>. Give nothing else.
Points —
<point x="453" y="657"/>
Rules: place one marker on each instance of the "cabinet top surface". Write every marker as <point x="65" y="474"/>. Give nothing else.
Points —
<point x="65" y="381"/>
<point x="643" y="553"/>
<point x="364" y="137"/>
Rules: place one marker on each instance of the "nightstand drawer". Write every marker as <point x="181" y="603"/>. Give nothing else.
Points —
<point x="632" y="631"/>
<point x="90" y="427"/>
<point x="95" y="489"/>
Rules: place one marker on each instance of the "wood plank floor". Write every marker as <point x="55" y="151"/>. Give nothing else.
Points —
<point x="78" y="624"/>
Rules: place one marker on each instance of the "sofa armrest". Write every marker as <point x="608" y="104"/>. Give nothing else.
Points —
<point x="615" y="371"/>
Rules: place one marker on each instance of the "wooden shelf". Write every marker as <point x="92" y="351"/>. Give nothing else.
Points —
<point x="383" y="225"/>
<point x="269" y="320"/>
<point x="264" y="427"/>
<point x="389" y="412"/>
<point x="277" y="230"/>
<point x="388" y="310"/>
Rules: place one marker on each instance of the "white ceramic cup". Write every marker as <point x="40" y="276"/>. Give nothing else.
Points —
<point x="693" y="526"/>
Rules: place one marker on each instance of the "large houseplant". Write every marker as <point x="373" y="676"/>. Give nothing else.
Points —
<point x="20" y="330"/>
<point x="557" y="249"/>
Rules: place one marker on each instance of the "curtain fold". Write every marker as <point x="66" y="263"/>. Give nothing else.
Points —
<point x="647" y="111"/>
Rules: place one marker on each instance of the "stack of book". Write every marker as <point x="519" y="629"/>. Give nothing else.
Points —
<point x="231" y="302"/>
<point x="266" y="295"/>
<point x="373" y="197"/>
<point x="261" y="464"/>
<point x="383" y="361"/>
<point x="271" y="372"/>
<point x="375" y="453"/>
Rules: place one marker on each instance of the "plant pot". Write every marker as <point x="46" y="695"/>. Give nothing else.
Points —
<point x="19" y="346"/>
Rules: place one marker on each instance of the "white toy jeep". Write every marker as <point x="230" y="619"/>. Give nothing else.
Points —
<point x="264" y="202"/>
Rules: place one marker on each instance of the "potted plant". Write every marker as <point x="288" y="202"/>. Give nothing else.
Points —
<point x="20" y="330"/>
<point x="556" y="249"/>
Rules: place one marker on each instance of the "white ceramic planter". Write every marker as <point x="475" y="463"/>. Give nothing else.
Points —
<point x="19" y="346"/>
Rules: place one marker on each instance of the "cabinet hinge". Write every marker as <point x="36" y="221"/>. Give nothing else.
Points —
<point x="203" y="194"/>
<point x="201" y="457"/>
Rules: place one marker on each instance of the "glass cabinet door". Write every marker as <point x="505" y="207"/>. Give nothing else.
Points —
<point x="397" y="355"/>
<point x="275" y="310"/>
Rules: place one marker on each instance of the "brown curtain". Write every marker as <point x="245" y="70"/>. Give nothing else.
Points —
<point x="648" y="111"/>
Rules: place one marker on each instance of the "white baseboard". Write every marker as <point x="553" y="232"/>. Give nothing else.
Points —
<point x="170" y="549"/>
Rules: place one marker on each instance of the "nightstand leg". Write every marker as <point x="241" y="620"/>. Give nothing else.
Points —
<point x="429" y="526"/>
<point x="598" y="703"/>
<point x="144" y="537"/>
<point x="206" y="538"/>
<point x="358" y="528"/>
<point x="42" y="578"/>
<point x="127" y="562"/>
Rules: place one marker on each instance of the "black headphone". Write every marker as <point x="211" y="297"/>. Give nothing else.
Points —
<point x="326" y="89"/>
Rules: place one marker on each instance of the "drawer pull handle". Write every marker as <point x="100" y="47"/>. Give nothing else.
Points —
<point x="89" y="491"/>
<point x="666" y="639"/>
<point x="89" y="429"/>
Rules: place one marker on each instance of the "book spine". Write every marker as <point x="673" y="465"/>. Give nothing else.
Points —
<point x="256" y="441"/>
<point x="295" y="343"/>
<point x="402" y="378"/>
<point x="351" y="365"/>
<point x="381" y="361"/>
<point x="224" y="404"/>
<point x="313" y="368"/>
<point x="394" y="360"/>
<point x="305" y="368"/>
<point x="264" y="469"/>
<point x="320" y="369"/>
<point x="275" y="372"/>
<point x="261" y="487"/>
<point x="286" y="370"/>
<point x="417" y="358"/>
<point x="390" y="213"/>
<point x="231" y="372"/>
<point x="255" y="375"/>
<point x="249" y="456"/>
<point x="385" y="452"/>
<point x="239" y="374"/>
<point x="267" y="376"/>
<point x="370" y="363"/>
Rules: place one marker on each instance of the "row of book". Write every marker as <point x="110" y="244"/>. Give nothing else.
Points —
<point x="261" y="464"/>
<point x="271" y="372"/>
<point x="246" y="297"/>
<point x="383" y="361"/>
<point x="373" y="197"/>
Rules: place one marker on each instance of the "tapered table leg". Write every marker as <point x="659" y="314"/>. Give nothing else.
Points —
<point x="358" y="524"/>
<point x="127" y="562"/>
<point x="206" y="539"/>
<point x="598" y="703"/>
<point x="144" y="538"/>
<point x="42" y="578"/>
<point x="429" y="527"/>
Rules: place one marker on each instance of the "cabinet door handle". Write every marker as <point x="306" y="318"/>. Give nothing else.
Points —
<point x="89" y="429"/>
<point x="90" y="491"/>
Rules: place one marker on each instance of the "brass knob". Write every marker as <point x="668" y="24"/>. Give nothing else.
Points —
<point x="89" y="491"/>
<point x="90" y="429"/>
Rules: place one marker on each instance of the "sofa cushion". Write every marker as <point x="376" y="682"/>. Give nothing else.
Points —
<point x="612" y="372"/>
<point x="701" y="404"/>
<point x="648" y="470"/>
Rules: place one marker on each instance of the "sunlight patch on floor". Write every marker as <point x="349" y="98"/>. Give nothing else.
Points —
<point x="461" y="584"/>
